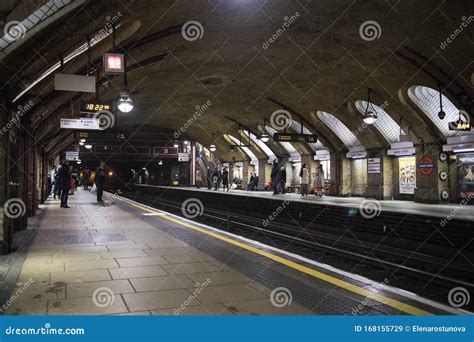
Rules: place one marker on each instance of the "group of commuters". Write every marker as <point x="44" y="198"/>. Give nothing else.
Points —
<point x="278" y="177"/>
<point x="216" y="178"/>
<point x="66" y="181"/>
<point x="318" y="183"/>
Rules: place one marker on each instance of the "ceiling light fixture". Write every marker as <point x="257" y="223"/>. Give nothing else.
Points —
<point x="125" y="104"/>
<point x="212" y="147"/>
<point x="83" y="140"/>
<point x="441" y="114"/>
<point x="81" y="143"/>
<point x="264" y="137"/>
<point x="160" y="162"/>
<point x="176" y="144"/>
<point x="370" y="114"/>
<point x="88" y="146"/>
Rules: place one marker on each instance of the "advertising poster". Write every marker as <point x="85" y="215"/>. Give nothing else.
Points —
<point x="466" y="175"/>
<point x="407" y="175"/>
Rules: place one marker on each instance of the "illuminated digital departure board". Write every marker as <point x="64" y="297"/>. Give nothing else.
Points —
<point x="93" y="107"/>
<point x="290" y="137"/>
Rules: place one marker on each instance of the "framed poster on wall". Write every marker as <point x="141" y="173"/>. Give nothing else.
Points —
<point x="466" y="175"/>
<point x="407" y="175"/>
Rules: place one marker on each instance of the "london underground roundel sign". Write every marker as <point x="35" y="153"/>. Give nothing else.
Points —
<point x="426" y="166"/>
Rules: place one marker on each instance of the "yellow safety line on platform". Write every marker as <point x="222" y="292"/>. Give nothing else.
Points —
<point x="323" y="276"/>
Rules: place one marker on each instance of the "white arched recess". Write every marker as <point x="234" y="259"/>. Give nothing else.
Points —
<point x="354" y="172"/>
<point x="260" y="144"/>
<point x="388" y="127"/>
<point x="427" y="99"/>
<point x="237" y="171"/>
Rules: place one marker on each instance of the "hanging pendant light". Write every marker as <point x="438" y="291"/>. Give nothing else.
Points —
<point x="125" y="103"/>
<point x="176" y="144"/>
<point x="264" y="137"/>
<point x="212" y="147"/>
<point x="441" y="114"/>
<point x="370" y="114"/>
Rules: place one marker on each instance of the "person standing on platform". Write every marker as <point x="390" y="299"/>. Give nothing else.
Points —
<point x="65" y="183"/>
<point x="215" y="179"/>
<point x="100" y="181"/>
<point x="275" y="176"/>
<point x="85" y="178"/>
<point x="209" y="178"/>
<point x="225" y="179"/>
<point x="319" y="181"/>
<point x="304" y="174"/>
<point x="198" y="178"/>
<point x="57" y="183"/>
<point x="73" y="173"/>
<point x="283" y="180"/>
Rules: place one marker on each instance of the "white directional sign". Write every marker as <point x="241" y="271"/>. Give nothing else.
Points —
<point x="72" y="155"/>
<point x="183" y="157"/>
<point x="81" y="123"/>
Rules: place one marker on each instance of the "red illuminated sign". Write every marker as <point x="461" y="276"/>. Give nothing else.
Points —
<point x="113" y="63"/>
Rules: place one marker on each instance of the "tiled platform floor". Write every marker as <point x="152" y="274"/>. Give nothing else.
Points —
<point x="91" y="259"/>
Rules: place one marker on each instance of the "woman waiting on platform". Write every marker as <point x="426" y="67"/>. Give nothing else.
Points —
<point x="319" y="181"/>
<point x="304" y="174"/>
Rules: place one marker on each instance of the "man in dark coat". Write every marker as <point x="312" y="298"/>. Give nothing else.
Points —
<point x="64" y="183"/>
<point x="209" y="178"/>
<point x="100" y="181"/>
<point x="283" y="180"/>
<point x="276" y="177"/>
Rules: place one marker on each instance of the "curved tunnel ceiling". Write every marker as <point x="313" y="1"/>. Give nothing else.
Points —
<point x="229" y="67"/>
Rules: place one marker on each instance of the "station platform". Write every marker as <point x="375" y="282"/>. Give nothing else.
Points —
<point x="129" y="259"/>
<point x="442" y="210"/>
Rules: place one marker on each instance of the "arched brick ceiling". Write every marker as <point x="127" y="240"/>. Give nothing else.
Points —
<point x="319" y="62"/>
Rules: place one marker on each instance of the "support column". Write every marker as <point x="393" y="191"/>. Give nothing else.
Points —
<point x="263" y="170"/>
<point x="345" y="181"/>
<point x="379" y="175"/>
<point x="429" y="186"/>
<point x="245" y="172"/>
<point x="5" y="226"/>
